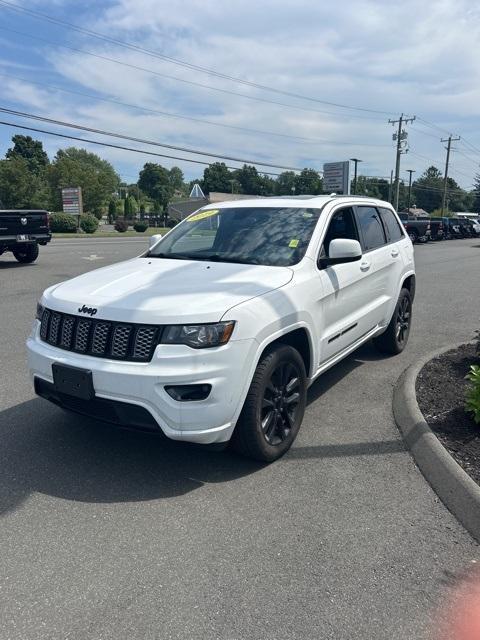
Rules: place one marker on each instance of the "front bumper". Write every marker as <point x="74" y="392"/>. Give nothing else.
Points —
<point x="207" y="421"/>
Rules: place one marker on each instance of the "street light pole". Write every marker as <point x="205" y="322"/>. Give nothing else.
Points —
<point x="355" y="161"/>
<point x="409" y="171"/>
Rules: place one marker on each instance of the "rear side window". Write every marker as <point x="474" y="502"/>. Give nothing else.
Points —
<point x="371" y="227"/>
<point x="392" y="226"/>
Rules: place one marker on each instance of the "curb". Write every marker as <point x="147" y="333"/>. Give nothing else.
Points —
<point x="459" y="493"/>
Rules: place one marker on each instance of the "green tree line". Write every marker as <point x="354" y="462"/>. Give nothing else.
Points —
<point x="29" y="179"/>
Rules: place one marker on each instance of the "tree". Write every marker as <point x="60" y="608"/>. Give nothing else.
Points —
<point x="74" y="167"/>
<point x="126" y="208"/>
<point x="19" y="187"/>
<point x="31" y="150"/>
<point x="112" y="211"/>
<point x="308" y="181"/>
<point x="476" y="194"/>
<point x="427" y="190"/>
<point x="216" y="177"/>
<point x="285" y="184"/>
<point x="154" y="180"/>
<point x="176" y="179"/>
<point x="249" y="179"/>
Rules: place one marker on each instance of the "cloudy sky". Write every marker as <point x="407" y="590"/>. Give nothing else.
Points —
<point x="377" y="58"/>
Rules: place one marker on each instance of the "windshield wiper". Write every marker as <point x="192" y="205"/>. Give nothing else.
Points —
<point x="215" y="257"/>
<point x="173" y="256"/>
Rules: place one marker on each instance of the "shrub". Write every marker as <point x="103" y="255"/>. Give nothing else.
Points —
<point x="172" y="223"/>
<point x="472" y="397"/>
<point x="88" y="223"/>
<point x="121" y="225"/>
<point x="63" y="223"/>
<point x="141" y="227"/>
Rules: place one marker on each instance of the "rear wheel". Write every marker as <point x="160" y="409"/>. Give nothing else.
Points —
<point x="26" y="253"/>
<point x="413" y="235"/>
<point x="395" y="338"/>
<point x="274" y="407"/>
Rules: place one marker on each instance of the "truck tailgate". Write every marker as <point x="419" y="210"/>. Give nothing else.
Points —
<point x="13" y="223"/>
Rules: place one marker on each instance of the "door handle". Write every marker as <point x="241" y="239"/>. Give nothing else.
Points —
<point x="365" y="266"/>
<point x="395" y="253"/>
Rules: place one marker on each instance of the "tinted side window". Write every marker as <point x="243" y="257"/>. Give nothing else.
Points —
<point x="392" y="225"/>
<point x="371" y="227"/>
<point x="341" y="225"/>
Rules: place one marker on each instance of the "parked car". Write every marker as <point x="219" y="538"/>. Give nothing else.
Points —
<point x="418" y="229"/>
<point x="215" y="333"/>
<point x="22" y="231"/>
<point x="437" y="229"/>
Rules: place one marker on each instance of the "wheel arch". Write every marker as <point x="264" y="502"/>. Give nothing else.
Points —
<point x="300" y="339"/>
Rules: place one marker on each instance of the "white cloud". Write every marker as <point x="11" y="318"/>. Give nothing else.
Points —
<point x="378" y="54"/>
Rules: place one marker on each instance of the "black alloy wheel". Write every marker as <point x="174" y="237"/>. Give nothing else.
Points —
<point x="280" y="402"/>
<point x="404" y="312"/>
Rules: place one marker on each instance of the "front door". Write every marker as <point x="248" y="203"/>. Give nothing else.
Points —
<point x="346" y="311"/>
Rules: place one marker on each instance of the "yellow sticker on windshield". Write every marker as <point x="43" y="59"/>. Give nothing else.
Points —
<point x="202" y="215"/>
<point x="293" y="244"/>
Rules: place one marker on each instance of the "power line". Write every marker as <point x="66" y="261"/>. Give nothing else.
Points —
<point x="183" y="80"/>
<point x="190" y="118"/>
<point x="181" y="63"/>
<point x="116" y="146"/>
<point x="72" y="125"/>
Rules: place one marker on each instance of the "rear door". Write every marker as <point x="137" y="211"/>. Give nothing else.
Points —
<point x="381" y="260"/>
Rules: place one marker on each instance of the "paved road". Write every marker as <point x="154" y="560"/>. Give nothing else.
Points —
<point x="114" y="535"/>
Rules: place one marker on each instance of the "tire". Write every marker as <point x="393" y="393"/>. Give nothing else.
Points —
<point x="26" y="254"/>
<point x="394" y="340"/>
<point x="269" y="422"/>
<point x="413" y="235"/>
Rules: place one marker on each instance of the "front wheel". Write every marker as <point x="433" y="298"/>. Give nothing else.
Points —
<point x="27" y="253"/>
<point x="274" y="407"/>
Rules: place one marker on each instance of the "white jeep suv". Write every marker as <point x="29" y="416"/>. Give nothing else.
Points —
<point x="217" y="331"/>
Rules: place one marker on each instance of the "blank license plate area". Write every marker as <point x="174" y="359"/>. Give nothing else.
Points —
<point x="73" y="381"/>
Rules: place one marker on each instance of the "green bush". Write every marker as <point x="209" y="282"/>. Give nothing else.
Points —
<point x="63" y="223"/>
<point x="472" y="397"/>
<point x="88" y="223"/>
<point x="121" y="225"/>
<point x="141" y="227"/>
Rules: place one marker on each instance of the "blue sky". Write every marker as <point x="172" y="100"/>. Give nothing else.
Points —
<point x="390" y="57"/>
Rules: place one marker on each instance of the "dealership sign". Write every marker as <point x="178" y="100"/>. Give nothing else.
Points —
<point x="336" y="177"/>
<point x="72" y="200"/>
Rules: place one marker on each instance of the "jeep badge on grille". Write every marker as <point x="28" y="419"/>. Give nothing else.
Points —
<point x="90" y="310"/>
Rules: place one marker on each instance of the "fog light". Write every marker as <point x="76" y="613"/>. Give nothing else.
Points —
<point x="189" y="392"/>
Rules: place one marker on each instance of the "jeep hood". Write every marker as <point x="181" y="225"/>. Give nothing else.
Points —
<point x="165" y="291"/>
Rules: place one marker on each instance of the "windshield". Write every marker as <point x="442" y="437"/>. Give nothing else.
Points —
<point x="273" y="236"/>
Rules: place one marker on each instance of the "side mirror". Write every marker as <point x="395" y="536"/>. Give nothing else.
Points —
<point x="154" y="239"/>
<point x="342" y="250"/>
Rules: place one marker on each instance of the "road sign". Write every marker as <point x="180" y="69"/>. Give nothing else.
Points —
<point x="72" y="200"/>
<point x="336" y="178"/>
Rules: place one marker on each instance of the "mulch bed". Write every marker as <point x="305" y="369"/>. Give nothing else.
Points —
<point x="440" y="390"/>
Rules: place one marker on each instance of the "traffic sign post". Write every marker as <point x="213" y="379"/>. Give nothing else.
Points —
<point x="72" y="201"/>
<point x="336" y="177"/>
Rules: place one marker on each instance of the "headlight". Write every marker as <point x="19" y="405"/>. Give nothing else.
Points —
<point x="198" y="336"/>
<point x="39" y="313"/>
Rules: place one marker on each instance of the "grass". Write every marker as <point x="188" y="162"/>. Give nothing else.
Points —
<point x="151" y="231"/>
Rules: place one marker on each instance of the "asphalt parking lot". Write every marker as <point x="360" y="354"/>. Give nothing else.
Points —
<point x="108" y="534"/>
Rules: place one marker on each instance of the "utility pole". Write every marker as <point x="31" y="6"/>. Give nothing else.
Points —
<point x="390" y="187"/>
<point x="445" y="178"/>
<point x="401" y="138"/>
<point x="355" y="161"/>
<point x="409" y="171"/>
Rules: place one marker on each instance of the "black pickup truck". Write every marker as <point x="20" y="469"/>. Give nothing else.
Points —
<point x="417" y="228"/>
<point x="21" y="231"/>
